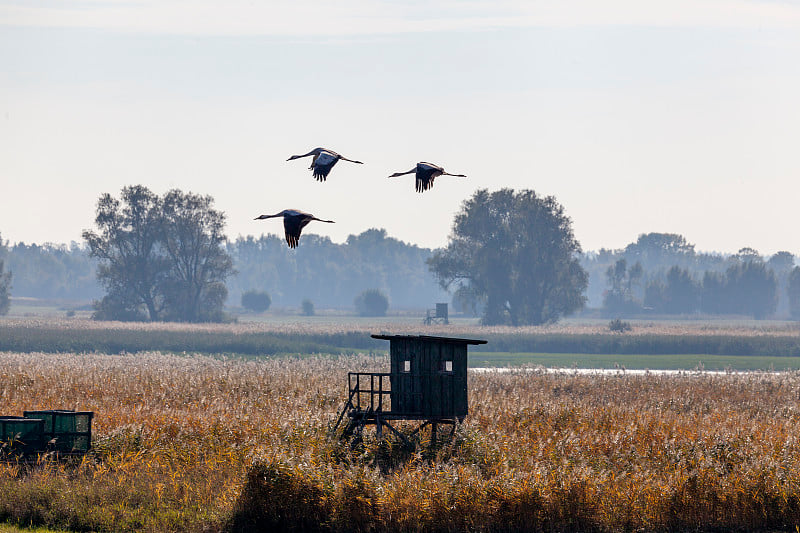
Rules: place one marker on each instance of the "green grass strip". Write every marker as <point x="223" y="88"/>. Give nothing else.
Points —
<point x="635" y="361"/>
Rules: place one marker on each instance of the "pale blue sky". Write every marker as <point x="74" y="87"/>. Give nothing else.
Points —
<point x="678" y="116"/>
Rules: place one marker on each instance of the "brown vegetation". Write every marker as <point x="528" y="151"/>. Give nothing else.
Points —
<point x="197" y="443"/>
<point x="289" y="325"/>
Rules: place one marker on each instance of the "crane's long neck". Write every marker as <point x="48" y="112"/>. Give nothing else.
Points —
<point x="315" y="151"/>
<point x="413" y="170"/>
<point x="351" y="160"/>
<point x="454" y="175"/>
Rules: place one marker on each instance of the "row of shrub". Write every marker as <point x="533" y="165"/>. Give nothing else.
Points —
<point x="259" y="301"/>
<point x="371" y="302"/>
<point x="50" y="339"/>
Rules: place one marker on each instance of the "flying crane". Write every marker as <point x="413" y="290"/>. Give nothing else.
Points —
<point x="426" y="173"/>
<point x="323" y="161"/>
<point x="293" y="223"/>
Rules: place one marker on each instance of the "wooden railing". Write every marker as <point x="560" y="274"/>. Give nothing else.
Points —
<point x="374" y="386"/>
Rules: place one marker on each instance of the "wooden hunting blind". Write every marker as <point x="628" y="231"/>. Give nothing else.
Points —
<point x="427" y="382"/>
<point x="438" y="315"/>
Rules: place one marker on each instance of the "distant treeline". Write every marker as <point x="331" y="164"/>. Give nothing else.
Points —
<point x="660" y="273"/>
<point x="51" y="271"/>
<point x="332" y="275"/>
<point x="328" y="274"/>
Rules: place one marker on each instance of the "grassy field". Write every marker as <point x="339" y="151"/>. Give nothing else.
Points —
<point x="198" y="443"/>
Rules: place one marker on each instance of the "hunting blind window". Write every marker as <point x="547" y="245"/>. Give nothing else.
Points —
<point x="406" y="366"/>
<point x="447" y="366"/>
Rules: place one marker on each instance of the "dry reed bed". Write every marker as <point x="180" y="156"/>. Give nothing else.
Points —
<point x="194" y="443"/>
<point x="304" y="326"/>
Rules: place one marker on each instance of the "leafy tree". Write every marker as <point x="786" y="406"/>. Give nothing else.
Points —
<point x="160" y="258"/>
<point x="5" y="289"/>
<point x="121" y="304"/>
<point x="782" y="264"/>
<point x="192" y="235"/>
<point x="654" y="295"/>
<point x="5" y="281"/>
<point x="514" y="254"/>
<point x="747" y="254"/>
<point x="713" y="294"/>
<point x="622" y="280"/>
<point x="466" y="301"/>
<point x="256" y="301"/>
<point x="752" y="288"/>
<point x="681" y="294"/>
<point x="307" y="307"/>
<point x="793" y="292"/>
<point x="371" y="302"/>
<point x="133" y="266"/>
<point x="653" y="249"/>
<point x="678" y="293"/>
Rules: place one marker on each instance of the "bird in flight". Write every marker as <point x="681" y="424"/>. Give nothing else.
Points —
<point x="323" y="161"/>
<point x="293" y="223"/>
<point x="426" y="173"/>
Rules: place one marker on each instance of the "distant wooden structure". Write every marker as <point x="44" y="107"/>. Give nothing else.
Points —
<point x="427" y="382"/>
<point x="436" y="316"/>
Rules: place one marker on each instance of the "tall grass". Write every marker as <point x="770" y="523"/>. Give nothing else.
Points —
<point x="193" y="443"/>
<point x="347" y="337"/>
